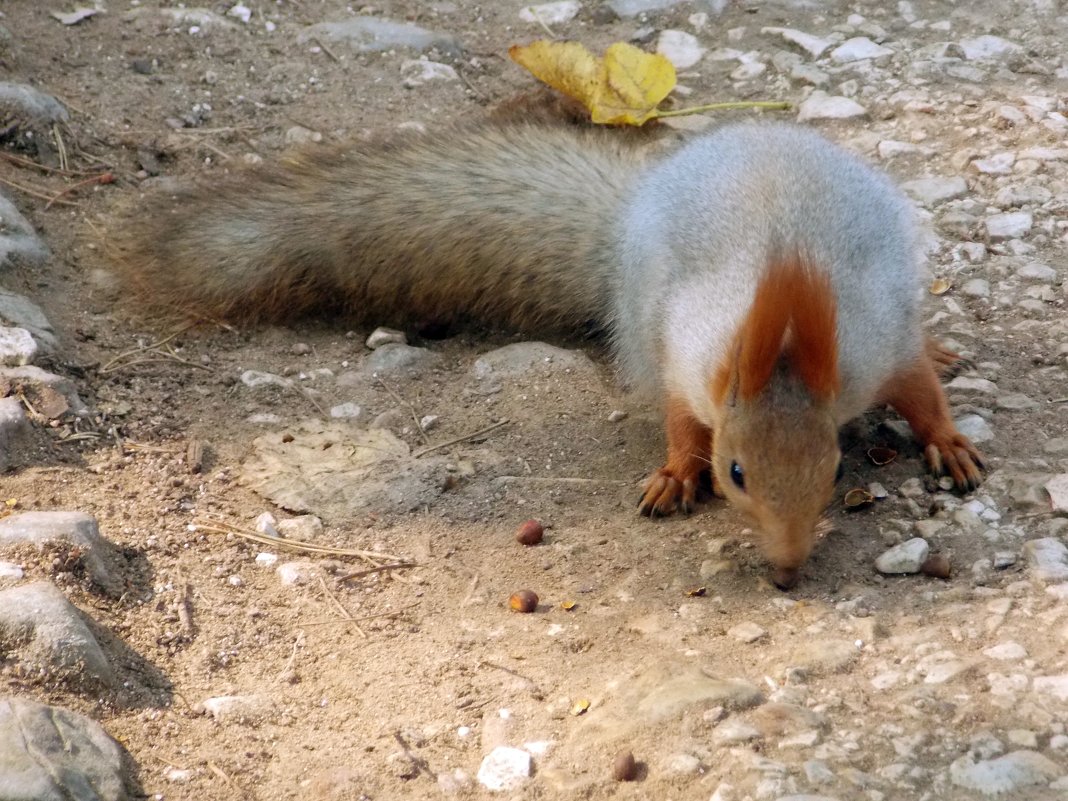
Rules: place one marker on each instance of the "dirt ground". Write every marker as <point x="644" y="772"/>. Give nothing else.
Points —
<point x="383" y="686"/>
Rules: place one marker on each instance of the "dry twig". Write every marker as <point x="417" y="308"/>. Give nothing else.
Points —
<point x="457" y="440"/>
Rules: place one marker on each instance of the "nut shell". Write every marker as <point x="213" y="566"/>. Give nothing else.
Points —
<point x="530" y="533"/>
<point x="523" y="601"/>
<point x="624" y="768"/>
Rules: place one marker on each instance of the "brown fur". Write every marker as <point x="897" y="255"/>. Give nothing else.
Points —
<point x="493" y="223"/>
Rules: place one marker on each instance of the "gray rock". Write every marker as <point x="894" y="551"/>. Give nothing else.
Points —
<point x="904" y="558"/>
<point x="997" y="164"/>
<point x="417" y="72"/>
<point x="857" y="49"/>
<point x="52" y="754"/>
<point x="17" y="347"/>
<point x="682" y="49"/>
<point x="346" y="411"/>
<point x="967" y="383"/>
<point x="1006" y="652"/>
<point x="254" y="379"/>
<point x="733" y="731"/>
<point x="1034" y="271"/>
<point x="1011" y="196"/>
<point x="1048" y="559"/>
<point x="976" y="288"/>
<point x="19" y="311"/>
<point x="975" y="428"/>
<point x="19" y="243"/>
<point x="14" y="427"/>
<point x="813" y="45"/>
<point x="374" y="34"/>
<point x="932" y="190"/>
<point x="821" y="106"/>
<point x="35" y="375"/>
<point x="632" y="8"/>
<point x="1016" y="402"/>
<point x="554" y="13"/>
<point x="394" y="357"/>
<point x="818" y="656"/>
<point x="49" y="636"/>
<point x="243" y="709"/>
<point x="747" y="632"/>
<point x="102" y="561"/>
<point x="1055" y="686"/>
<point x="1005" y="774"/>
<point x="386" y="336"/>
<point x="676" y="694"/>
<point x="504" y="768"/>
<point x="984" y="48"/>
<point x="1009" y="225"/>
<point x="530" y="358"/>
<point x="30" y="106"/>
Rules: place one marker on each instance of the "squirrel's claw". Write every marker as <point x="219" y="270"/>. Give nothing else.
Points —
<point x="665" y="493"/>
<point x="958" y="458"/>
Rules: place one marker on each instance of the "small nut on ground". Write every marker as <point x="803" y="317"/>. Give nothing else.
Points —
<point x="937" y="565"/>
<point x="523" y="601"/>
<point x="530" y="533"/>
<point x="625" y="769"/>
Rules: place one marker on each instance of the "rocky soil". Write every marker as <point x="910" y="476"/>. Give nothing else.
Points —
<point x="277" y="562"/>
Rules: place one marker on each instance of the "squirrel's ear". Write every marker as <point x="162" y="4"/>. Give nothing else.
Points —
<point x="760" y="339"/>
<point x="813" y="343"/>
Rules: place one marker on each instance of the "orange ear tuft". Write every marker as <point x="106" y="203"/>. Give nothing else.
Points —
<point x="793" y="310"/>
<point x="813" y="351"/>
<point x="760" y="340"/>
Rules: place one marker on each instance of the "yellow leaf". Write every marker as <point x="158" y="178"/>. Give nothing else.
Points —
<point x="634" y="84"/>
<point x="624" y="87"/>
<point x="566" y="66"/>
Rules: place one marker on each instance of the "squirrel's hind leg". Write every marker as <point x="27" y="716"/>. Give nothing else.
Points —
<point x="917" y="395"/>
<point x="674" y="486"/>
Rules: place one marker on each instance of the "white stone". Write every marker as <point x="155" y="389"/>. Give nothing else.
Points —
<point x="821" y="106"/>
<point x="551" y="13"/>
<point x="293" y="574"/>
<point x="504" y="768"/>
<point x="988" y="47"/>
<point x="1005" y="774"/>
<point x="346" y="411"/>
<point x="1009" y="225"/>
<point x="257" y="378"/>
<point x="904" y="558"/>
<point x="1056" y="686"/>
<point x="386" y="336"/>
<point x="747" y="632"/>
<point x="998" y="164"/>
<point x="1057" y="487"/>
<point x="888" y="148"/>
<point x="967" y="383"/>
<point x="17" y="347"/>
<point x="813" y="45"/>
<point x="1048" y="558"/>
<point x="933" y="189"/>
<point x="241" y="12"/>
<point x="1006" y="651"/>
<point x="265" y="559"/>
<point x="418" y="71"/>
<point x="857" y="49"/>
<point x="245" y="708"/>
<point x="680" y="48"/>
<point x="1037" y="271"/>
<point x="976" y="288"/>
<point x="9" y="571"/>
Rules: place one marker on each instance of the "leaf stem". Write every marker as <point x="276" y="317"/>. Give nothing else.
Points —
<point x="780" y="105"/>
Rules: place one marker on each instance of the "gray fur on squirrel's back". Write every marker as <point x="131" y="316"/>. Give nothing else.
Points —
<point x="700" y="227"/>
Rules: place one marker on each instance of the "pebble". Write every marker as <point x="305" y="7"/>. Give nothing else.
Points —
<point x="680" y="48"/>
<point x="823" y="656"/>
<point x="243" y="709"/>
<point x="49" y="637"/>
<point x="530" y="358"/>
<point x="386" y="336"/>
<point x="1015" y="402"/>
<point x="1009" y="225"/>
<point x="394" y="358"/>
<point x="102" y="561"/>
<point x="255" y="379"/>
<point x="37" y="108"/>
<point x="1008" y="652"/>
<point x="997" y="164"/>
<point x="1056" y="686"/>
<point x="551" y="13"/>
<point x="747" y="632"/>
<point x="1006" y="774"/>
<point x="416" y="72"/>
<point x="975" y="428"/>
<point x="988" y="47"/>
<point x="821" y="106"/>
<point x="967" y="383"/>
<point x="295" y="574"/>
<point x="19" y="243"/>
<point x="367" y="34"/>
<point x="932" y="190"/>
<point x="504" y="768"/>
<point x="732" y="731"/>
<point x="53" y="754"/>
<point x="346" y="411"/>
<point x="1057" y="487"/>
<point x="17" y="347"/>
<point x="976" y="288"/>
<point x="1034" y="271"/>
<point x="14" y="427"/>
<point x="813" y="45"/>
<point x="907" y="557"/>
<point x="632" y="8"/>
<point x="857" y="49"/>
<point x="1048" y="559"/>
<point x="304" y="528"/>
<point x="21" y="312"/>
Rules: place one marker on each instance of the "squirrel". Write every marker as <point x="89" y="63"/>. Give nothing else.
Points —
<point x="762" y="280"/>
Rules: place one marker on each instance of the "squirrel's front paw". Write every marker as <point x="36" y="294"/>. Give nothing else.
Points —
<point x="955" y="456"/>
<point x="666" y="491"/>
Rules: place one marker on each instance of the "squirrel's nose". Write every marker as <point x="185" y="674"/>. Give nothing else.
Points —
<point x="785" y="578"/>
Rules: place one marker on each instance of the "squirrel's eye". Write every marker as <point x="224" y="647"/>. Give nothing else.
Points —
<point x="737" y="476"/>
<point x="841" y="472"/>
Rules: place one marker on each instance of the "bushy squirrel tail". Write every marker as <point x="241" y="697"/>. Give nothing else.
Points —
<point x="511" y="225"/>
